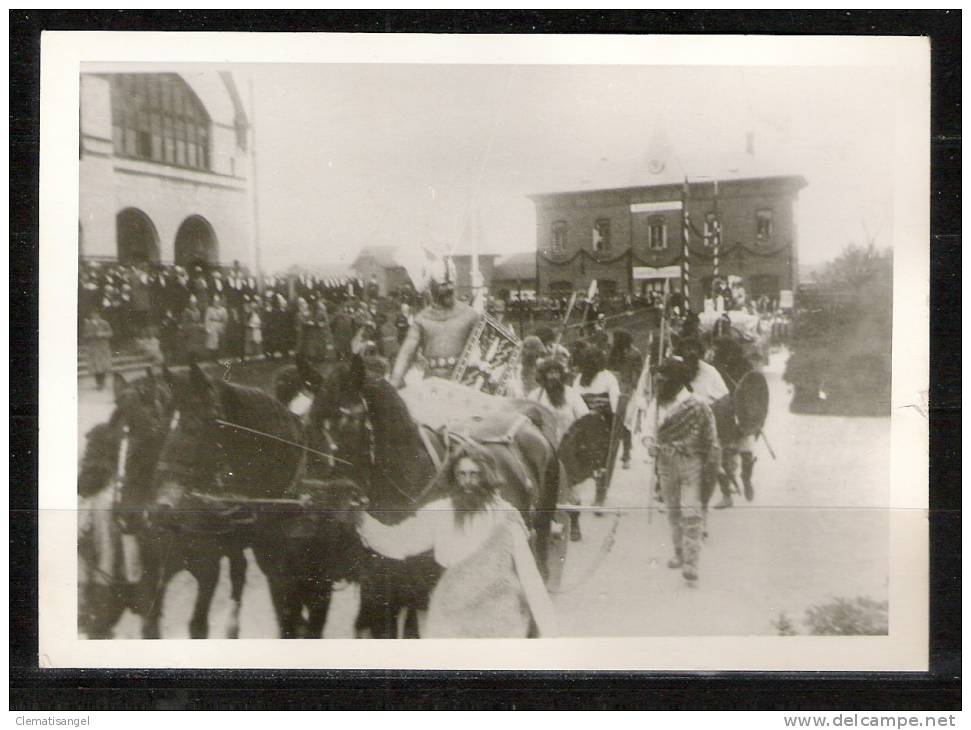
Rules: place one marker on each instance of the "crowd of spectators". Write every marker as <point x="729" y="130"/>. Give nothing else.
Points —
<point x="174" y="313"/>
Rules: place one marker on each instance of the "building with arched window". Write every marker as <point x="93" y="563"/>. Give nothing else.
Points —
<point x="165" y="168"/>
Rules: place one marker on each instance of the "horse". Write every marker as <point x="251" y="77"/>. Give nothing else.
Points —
<point x="122" y="455"/>
<point x="233" y="468"/>
<point x="366" y="425"/>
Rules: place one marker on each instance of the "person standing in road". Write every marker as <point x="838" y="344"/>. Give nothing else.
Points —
<point x="215" y="324"/>
<point x="600" y="390"/>
<point x="681" y="436"/>
<point x="97" y="335"/>
<point x="625" y="361"/>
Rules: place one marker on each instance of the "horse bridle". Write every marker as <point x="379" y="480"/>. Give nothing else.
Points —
<point x="363" y="411"/>
<point x="222" y="469"/>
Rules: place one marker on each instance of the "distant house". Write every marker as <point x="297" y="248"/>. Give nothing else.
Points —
<point x="514" y="273"/>
<point x="631" y="240"/>
<point x="381" y="264"/>
<point x="378" y="263"/>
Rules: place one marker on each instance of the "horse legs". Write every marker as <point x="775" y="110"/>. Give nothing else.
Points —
<point x="380" y="619"/>
<point x="317" y="612"/>
<point x="286" y="607"/>
<point x="410" y="629"/>
<point x="206" y="573"/>
<point x="237" y="580"/>
<point x="155" y="580"/>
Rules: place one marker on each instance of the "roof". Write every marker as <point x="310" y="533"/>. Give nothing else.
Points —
<point x="515" y="266"/>
<point x="384" y="256"/>
<point x="669" y="181"/>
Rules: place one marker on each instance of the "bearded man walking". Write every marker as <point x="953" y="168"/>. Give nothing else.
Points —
<point x="491" y="587"/>
<point x="682" y="437"/>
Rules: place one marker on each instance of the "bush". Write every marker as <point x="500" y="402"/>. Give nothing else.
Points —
<point x="841" y="617"/>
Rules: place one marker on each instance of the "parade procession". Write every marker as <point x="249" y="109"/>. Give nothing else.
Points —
<point x="632" y="426"/>
<point x="447" y="489"/>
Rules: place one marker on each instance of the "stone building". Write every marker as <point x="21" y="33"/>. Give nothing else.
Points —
<point x="165" y="168"/>
<point x="630" y="239"/>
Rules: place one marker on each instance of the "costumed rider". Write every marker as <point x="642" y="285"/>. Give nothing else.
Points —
<point x="440" y="330"/>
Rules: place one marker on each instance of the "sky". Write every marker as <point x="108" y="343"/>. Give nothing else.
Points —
<point x="445" y="155"/>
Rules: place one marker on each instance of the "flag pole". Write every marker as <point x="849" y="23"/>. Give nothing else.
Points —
<point x="716" y="235"/>
<point x="685" y="251"/>
<point x="256" y="206"/>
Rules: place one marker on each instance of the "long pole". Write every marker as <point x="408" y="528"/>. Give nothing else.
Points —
<point x="685" y="250"/>
<point x="716" y="235"/>
<point x="256" y="206"/>
<point x="566" y="317"/>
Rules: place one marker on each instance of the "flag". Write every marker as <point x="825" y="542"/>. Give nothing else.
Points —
<point x="592" y="291"/>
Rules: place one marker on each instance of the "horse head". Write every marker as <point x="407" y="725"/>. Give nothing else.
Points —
<point x="226" y="439"/>
<point x="363" y="421"/>
<point x="127" y="446"/>
<point x="191" y="454"/>
<point x="339" y="420"/>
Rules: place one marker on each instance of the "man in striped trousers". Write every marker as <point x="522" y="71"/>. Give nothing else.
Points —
<point x="682" y="437"/>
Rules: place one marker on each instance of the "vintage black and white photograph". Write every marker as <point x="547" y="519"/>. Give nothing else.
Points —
<point x="493" y="350"/>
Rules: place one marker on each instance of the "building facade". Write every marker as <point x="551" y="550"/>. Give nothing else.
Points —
<point x="631" y="239"/>
<point x="165" y="169"/>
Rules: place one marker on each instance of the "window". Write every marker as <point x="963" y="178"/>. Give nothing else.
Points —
<point x="657" y="238"/>
<point x="559" y="236"/>
<point x="763" y="223"/>
<point x="158" y="117"/>
<point x="712" y="229"/>
<point x="601" y="235"/>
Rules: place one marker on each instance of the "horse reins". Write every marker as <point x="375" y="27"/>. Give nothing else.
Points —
<point x="296" y="445"/>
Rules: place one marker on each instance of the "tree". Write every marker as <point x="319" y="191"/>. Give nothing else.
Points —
<point x="842" y="336"/>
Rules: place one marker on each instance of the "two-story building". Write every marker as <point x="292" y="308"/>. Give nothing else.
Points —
<point x="631" y="240"/>
<point x="165" y="168"/>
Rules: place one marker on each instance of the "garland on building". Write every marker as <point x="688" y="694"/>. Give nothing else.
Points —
<point x="628" y="253"/>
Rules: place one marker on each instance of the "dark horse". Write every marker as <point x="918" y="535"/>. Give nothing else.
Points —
<point x="116" y="477"/>
<point x="364" y="422"/>
<point x="231" y="469"/>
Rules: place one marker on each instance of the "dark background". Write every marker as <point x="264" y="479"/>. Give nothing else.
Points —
<point x="938" y="689"/>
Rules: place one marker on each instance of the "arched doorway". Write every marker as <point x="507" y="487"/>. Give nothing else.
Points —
<point x="195" y="243"/>
<point x="136" y="236"/>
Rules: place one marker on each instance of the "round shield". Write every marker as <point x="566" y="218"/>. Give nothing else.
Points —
<point x="751" y="402"/>
<point x="724" y="411"/>
<point x="584" y="447"/>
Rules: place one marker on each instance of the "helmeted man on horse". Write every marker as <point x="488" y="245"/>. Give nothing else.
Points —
<point x="440" y="330"/>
